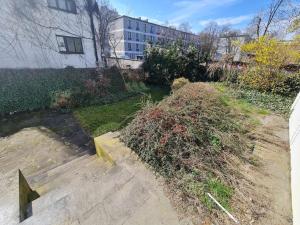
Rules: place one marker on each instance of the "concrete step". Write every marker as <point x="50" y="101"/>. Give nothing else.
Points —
<point x="43" y="176"/>
<point x="91" y="191"/>
<point x="9" y="199"/>
<point x="34" y="149"/>
<point x="31" y="171"/>
<point x="66" y="183"/>
<point x="64" y="173"/>
<point x="83" y="194"/>
<point x="55" y="214"/>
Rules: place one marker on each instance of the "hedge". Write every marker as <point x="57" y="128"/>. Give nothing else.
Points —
<point x="30" y="89"/>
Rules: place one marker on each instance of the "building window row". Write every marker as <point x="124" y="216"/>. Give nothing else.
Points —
<point x="136" y="47"/>
<point x="137" y="26"/>
<point x="158" y="30"/>
<point x="64" y="5"/>
<point x="139" y="37"/>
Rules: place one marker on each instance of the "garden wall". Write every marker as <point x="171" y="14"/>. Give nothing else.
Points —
<point x="125" y="63"/>
<point x="30" y="89"/>
<point x="294" y="130"/>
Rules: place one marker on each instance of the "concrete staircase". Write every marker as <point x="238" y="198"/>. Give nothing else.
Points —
<point x="115" y="188"/>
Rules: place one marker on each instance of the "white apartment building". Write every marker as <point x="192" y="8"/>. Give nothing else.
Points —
<point x="46" y="34"/>
<point x="231" y="45"/>
<point x="131" y="35"/>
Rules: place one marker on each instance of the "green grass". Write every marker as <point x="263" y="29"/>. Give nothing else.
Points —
<point x="242" y="105"/>
<point x="221" y="192"/>
<point x="255" y="102"/>
<point x="98" y="120"/>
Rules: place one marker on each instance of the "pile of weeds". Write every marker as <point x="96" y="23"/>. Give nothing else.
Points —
<point x="194" y="139"/>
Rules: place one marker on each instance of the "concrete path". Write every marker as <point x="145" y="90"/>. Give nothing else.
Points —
<point x="81" y="188"/>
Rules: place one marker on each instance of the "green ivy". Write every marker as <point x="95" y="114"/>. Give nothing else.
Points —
<point x="28" y="89"/>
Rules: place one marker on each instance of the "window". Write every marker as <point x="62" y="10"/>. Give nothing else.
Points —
<point x="137" y="48"/>
<point x="158" y="30"/>
<point x="145" y="27"/>
<point x="64" y="5"/>
<point x="129" y="35"/>
<point x="137" y="25"/>
<point x="151" y="30"/>
<point x="137" y="37"/>
<point x="129" y="24"/>
<point x="69" y="45"/>
<point x="129" y="46"/>
<point x="145" y="37"/>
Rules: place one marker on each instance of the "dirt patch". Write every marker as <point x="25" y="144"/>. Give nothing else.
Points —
<point x="271" y="178"/>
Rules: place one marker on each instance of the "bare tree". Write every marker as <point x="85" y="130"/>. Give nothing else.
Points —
<point x="185" y="27"/>
<point x="231" y="37"/>
<point x="209" y="39"/>
<point x="105" y="14"/>
<point x="294" y="25"/>
<point x="114" y="42"/>
<point x="271" y="20"/>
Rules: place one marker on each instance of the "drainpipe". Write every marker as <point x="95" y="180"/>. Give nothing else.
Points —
<point x="91" y="7"/>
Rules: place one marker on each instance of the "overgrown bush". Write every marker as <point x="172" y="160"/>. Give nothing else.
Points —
<point x="136" y="87"/>
<point x="268" y="58"/>
<point x="164" y="64"/>
<point x="266" y="80"/>
<point x="136" y="75"/>
<point x="178" y="83"/>
<point x="62" y="99"/>
<point x="98" y="87"/>
<point x="189" y="138"/>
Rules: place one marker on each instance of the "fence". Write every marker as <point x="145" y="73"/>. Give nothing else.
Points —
<point x="294" y="131"/>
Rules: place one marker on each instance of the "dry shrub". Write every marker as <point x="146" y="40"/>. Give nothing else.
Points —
<point x="98" y="86"/>
<point x="62" y="100"/>
<point x="193" y="127"/>
<point x="178" y="83"/>
<point x="191" y="138"/>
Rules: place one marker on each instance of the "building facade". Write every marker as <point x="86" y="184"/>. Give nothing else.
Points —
<point x="129" y="36"/>
<point x="46" y="34"/>
<point x="230" y="44"/>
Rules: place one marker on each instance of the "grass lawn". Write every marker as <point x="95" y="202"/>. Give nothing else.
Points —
<point x="101" y="119"/>
<point x="252" y="101"/>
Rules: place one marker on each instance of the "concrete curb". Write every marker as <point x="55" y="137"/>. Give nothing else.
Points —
<point x="110" y="148"/>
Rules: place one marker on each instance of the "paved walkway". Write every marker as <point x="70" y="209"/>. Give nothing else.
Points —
<point x="77" y="188"/>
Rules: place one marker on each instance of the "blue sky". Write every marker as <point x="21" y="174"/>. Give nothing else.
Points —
<point x="198" y="13"/>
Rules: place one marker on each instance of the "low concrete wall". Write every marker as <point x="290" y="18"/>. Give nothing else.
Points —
<point x="125" y="63"/>
<point x="295" y="157"/>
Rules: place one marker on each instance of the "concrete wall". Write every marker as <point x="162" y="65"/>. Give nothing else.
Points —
<point x="29" y="32"/>
<point x="125" y="63"/>
<point x="295" y="157"/>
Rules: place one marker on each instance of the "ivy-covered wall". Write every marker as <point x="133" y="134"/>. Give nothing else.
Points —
<point x="28" y="89"/>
